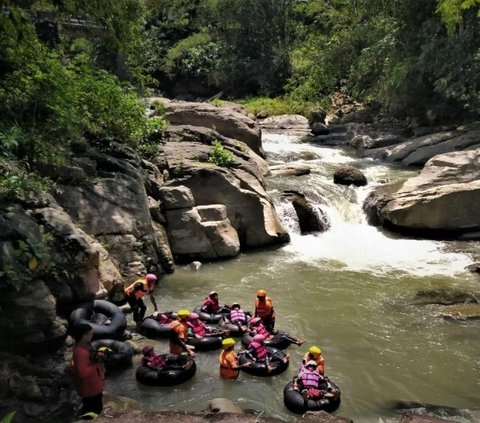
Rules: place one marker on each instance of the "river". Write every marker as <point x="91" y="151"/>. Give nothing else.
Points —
<point x="350" y="290"/>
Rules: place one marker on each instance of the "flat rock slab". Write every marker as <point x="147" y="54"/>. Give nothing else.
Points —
<point x="416" y="418"/>
<point x="462" y="311"/>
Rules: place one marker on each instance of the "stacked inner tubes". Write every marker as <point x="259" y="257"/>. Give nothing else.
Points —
<point x="106" y="319"/>
<point x="295" y="402"/>
<point x="277" y="363"/>
<point x="167" y="377"/>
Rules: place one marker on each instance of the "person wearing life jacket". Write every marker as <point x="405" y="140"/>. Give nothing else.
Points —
<point x="162" y="362"/>
<point x="198" y="329"/>
<point x="179" y="334"/>
<point x="238" y="317"/>
<point x="264" y="309"/>
<point x="163" y="317"/>
<point x="315" y="353"/>
<point x="229" y="366"/>
<point x="257" y="327"/>
<point x="258" y="351"/>
<point x="211" y="304"/>
<point x="89" y="375"/>
<point x="152" y="360"/>
<point x="308" y="381"/>
<point x="135" y="293"/>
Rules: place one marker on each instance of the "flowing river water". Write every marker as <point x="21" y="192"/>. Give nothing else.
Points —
<point x="350" y="290"/>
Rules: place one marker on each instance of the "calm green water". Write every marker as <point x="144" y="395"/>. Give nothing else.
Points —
<point x="350" y="290"/>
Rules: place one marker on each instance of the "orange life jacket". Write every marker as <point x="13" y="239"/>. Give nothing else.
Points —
<point x="319" y="360"/>
<point x="228" y="362"/>
<point x="263" y="308"/>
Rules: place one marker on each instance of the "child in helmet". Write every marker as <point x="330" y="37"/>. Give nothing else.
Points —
<point x="308" y="381"/>
<point x="152" y="360"/>
<point x="238" y="317"/>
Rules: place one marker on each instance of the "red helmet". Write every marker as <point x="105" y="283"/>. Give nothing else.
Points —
<point x="151" y="278"/>
<point x="259" y="338"/>
<point x="193" y="316"/>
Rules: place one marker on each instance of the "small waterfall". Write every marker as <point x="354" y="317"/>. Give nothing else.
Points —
<point x="349" y="240"/>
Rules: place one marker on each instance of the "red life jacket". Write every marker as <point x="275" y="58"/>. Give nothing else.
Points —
<point x="260" y="330"/>
<point x="237" y="316"/>
<point x="198" y="328"/>
<point x="156" y="361"/>
<point x="211" y="306"/>
<point x="260" y="350"/>
<point x="309" y="379"/>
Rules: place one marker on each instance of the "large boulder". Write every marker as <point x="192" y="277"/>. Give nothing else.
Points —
<point x="417" y="151"/>
<point x="202" y="232"/>
<point x="226" y="121"/>
<point x="349" y="175"/>
<point x="442" y="200"/>
<point x="310" y="217"/>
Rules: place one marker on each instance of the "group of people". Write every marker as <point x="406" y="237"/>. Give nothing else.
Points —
<point x="89" y="372"/>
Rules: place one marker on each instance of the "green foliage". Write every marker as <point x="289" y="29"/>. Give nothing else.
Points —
<point x="219" y="156"/>
<point x="48" y="98"/>
<point x="151" y="134"/>
<point x="8" y="418"/>
<point x="16" y="184"/>
<point x="278" y="105"/>
<point x="28" y="261"/>
<point x="194" y="56"/>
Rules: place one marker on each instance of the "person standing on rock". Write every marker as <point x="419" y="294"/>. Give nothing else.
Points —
<point x="135" y="294"/>
<point x="89" y="375"/>
<point x="264" y="310"/>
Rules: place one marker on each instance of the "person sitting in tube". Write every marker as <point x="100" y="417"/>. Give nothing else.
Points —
<point x="258" y="351"/>
<point x="163" y="317"/>
<point x="238" y="317"/>
<point x="198" y="329"/>
<point x="311" y="383"/>
<point x="211" y="304"/>
<point x="161" y="362"/>
<point x="257" y="327"/>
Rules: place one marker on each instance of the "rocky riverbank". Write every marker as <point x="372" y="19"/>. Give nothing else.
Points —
<point x="113" y="215"/>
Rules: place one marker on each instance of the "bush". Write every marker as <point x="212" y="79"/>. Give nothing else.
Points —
<point x="220" y="156"/>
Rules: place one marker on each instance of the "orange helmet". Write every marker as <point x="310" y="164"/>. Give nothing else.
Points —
<point x="261" y="293"/>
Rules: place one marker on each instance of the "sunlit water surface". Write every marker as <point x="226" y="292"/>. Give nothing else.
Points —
<point x="350" y="290"/>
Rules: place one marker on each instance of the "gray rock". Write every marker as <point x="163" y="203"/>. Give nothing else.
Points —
<point x="349" y="175"/>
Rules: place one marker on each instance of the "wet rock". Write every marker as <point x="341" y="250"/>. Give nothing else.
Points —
<point x="310" y="218"/>
<point x="324" y="417"/>
<point x="461" y="311"/>
<point x="422" y="205"/>
<point x="474" y="267"/>
<point x="290" y="169"/>
<point x="349" y="175"/>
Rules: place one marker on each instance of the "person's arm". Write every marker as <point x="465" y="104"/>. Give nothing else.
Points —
<point x="152" y="299"/>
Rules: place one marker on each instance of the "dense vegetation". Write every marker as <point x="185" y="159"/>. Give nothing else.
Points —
<point x="75" y="70"/>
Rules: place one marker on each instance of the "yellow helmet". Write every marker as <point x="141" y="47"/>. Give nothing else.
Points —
<point x="315" y="350"/>
<point x="183" y="313"/>
<point x="261" y="293"/>
<point x="228" y="342"/>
